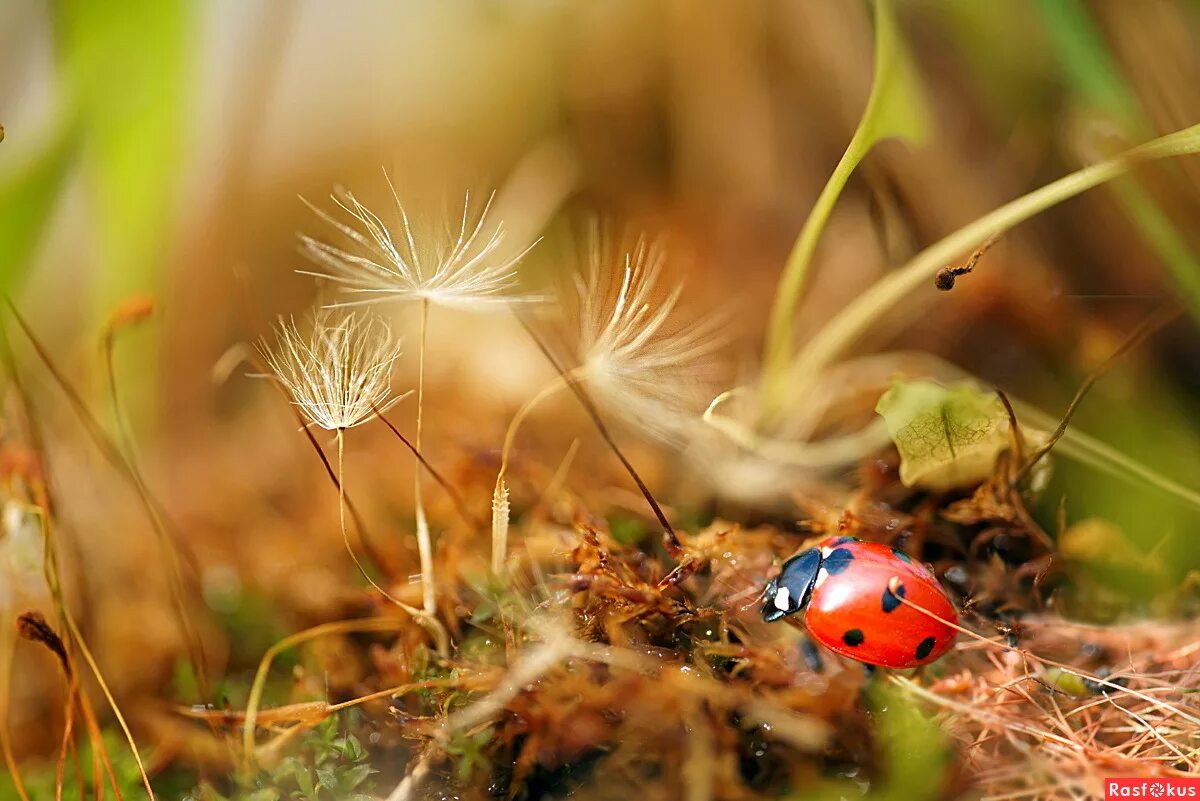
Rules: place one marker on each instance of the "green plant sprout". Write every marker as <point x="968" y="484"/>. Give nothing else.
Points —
<point x="890" y="111"/>
<point x="895" y="109"/>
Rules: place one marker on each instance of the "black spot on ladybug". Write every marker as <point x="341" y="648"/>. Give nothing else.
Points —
<point x="901" y="555"/>
<point x="837" y="561"/>
<point x="926" y="647"/>
<point x="854" y="638"/>
<point x="890" y="601"/>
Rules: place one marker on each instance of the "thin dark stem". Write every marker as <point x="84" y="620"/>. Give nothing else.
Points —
<point x="671" y="538"/>
<point x="1012" y="460"/>
<point x="457" y="499"/>
<point x="359" y="526"/>
<point x="1150" y="325"/>
<point x="978" y="254"/>
<point x="1018" y="440"/>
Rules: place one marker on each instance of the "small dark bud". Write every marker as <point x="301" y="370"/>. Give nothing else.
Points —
<point x="32" y="626"/>
<point x="944" y="279"/>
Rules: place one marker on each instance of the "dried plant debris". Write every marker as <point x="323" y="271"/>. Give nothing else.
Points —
<point x="600" y="664"/>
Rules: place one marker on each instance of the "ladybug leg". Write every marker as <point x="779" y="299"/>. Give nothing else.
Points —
<point x="812" y="656"/>
<point x="870" y="684"/>
<point x="686" y="567"/>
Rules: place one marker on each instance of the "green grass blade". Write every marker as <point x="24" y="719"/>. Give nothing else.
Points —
<point x="126" y="64"/>
<point x="895" y="109"/>
<point x="1095" y="77"/>
<point x="28" y="196"/>
<point x="1103" y="457"/>
<point x="856" y="318"/>
<point x="1089" y="67"/>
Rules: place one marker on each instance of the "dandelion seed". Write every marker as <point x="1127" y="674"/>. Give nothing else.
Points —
<point x="462" y="269"/>
<point x="634" y="359"/>
<point x="340" y="372"/>
<point x="339" y="376"/>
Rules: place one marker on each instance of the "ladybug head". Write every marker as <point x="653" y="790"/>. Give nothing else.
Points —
<point x="789" y="592"/>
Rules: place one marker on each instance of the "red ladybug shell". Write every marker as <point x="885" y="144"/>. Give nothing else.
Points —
<point x="853" y="612"/>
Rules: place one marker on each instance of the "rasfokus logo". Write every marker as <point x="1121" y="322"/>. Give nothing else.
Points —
<point x="1151" y="788"/>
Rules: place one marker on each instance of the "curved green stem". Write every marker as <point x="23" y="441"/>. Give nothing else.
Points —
<point x="845" y="329"/>
<point x="291" y="641"/>
<point x="500" y="493"/>
<point x="895" y="109"/>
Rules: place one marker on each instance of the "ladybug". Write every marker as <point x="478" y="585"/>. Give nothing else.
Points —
<point x="845" y="588"/>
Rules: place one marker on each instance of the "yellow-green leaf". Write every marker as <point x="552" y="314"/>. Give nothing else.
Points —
<point x="948" y="437"/>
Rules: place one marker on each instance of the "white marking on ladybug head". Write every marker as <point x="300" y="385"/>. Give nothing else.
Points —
<point x="782" y="598"/>
<point x="822" y="574"/>
<point x="826" y="551"/>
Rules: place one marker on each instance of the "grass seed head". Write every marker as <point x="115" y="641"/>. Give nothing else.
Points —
<point x="462" y="264"/>
<point x="339" y="372"/>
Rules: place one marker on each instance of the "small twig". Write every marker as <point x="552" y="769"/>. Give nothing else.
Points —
<point x="1014" y="428"/>
<point x="408" y="786"/>
<point x="1011" y="461"/>
<point x="944" y="280"/>
<point x="1150" y="325"/>
<point x="264" y="665"/>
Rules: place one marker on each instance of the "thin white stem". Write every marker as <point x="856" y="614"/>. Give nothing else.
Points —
<point x="341" y="476"/>
<point x="341" y="443"/>
<point x="545" y="392"/>
<point x="424" y="618"/>
<point x="424" y="544"/>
